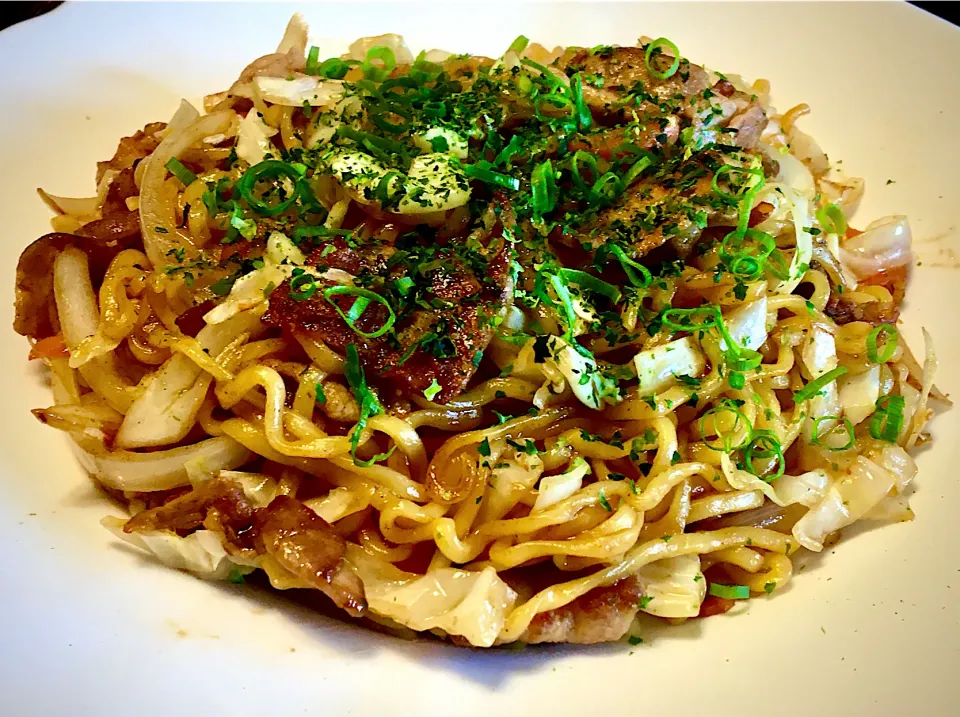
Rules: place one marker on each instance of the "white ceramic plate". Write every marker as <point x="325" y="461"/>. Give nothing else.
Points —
<point x="91" y="628"/>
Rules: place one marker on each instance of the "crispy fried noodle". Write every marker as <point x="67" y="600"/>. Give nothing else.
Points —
<point x="495" y="349"/>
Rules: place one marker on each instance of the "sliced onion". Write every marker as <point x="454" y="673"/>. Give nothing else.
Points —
<point x="81" y="208"/>
<point x="167" y="409"/>
<point x="80" y="318"/>
<point x="161" y="470"/>
<point x="294" y="37"/>
<point x="884" y="245"/>
<point x="160" y="232"/>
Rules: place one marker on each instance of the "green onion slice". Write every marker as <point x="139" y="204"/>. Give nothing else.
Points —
<point x="820" y="440"/>
<point x="737" y="380"/>
<point x="514" y="146"/>
<point x="369" y="405"/>
<point x="588" y="281"/>
<point x="176" y="168"/>
<point x="687" y="319"/>
<point x="637" y="273"/>
<point x="566" y="302"/>
<point x="544" y="185"/>
<point x="674" y="50"/>
<point x="385" y="55"/>
<point x="890" y="335"/>
<point x="832" y="220"/>
<point x="584" y="118"/>
<point x="267" y="170"/>
<point x="732" y="169"/>
<point x="729" y="592"/>
<point x="887" y="420"/>
<point x="815" y="386"/>
<point x="363" y="299"/>
<point x="381" y="113"/>
<point x="485" y="174"/>
<point x="764" y="444"/>
<point x="740" y="422"/>
<point x="333" y="69"/>
<point x="303" y="286"/>
<point x="581" y="163"/>
<point x="608" y="187"/>
<point x="519" y="45"/>
<point x="563" y="103"/>
<point x="382" y="192"/>
<point x="313" y="61"/>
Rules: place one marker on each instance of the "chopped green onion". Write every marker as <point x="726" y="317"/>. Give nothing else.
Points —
<point x="519" y="45"/>
<point x="566" y="300"/>
<point x="311" y="232"/>
<point x="737" y="380"/>
<point x="742" y="263"/>
<point x="685" y="318"/>
<point x="313" y="61"/>
<point x="548" y="77"/>
<point x="437" y="109"/>
<point x="815" y="386"/>
<point x="588" y="281"/>
<point x="818" y="440"/>
<point x="333" y="69"/>
<point x="832" y="220"/>
<point x="476" y="171"/>
<point x="380" y="147"/>
<point x="369" y="405"/>
<point x="608" y="187"/>
<point x="403" y="285"/>
<point x="303" y="286"/>
<point x="729" y="592"/>
<point x="269" y="169"/>
<point x="563" y="103"/>
<point x="320" y="395"/>
<point x="887" y="420"/>
<point x="739" y="358"/>
<point x="631" y="267"/>
<point x="385" y="55"/>
<point x="890" y="335"/>
<point x="360" y="304"/>
<point x="382" y="192"/>
<point x="514" y="146"/>
<point x="634" y="171"/>
<point x="732" y="169"/>
<point x="656" y="45"/>
<point x="432" y="390"/>
<point x="579" y="162"/>
<point x="584" y="118"/>
<point x="380" y="116"/>
<point x="726" y="446"/>
<point x="764" y="444"/>
<point x="176" y="168"/>
<point x="544" y="186"/>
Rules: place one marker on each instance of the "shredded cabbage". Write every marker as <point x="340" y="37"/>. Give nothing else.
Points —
<point x="459" y="602"/>
<point x="673" y="587"/>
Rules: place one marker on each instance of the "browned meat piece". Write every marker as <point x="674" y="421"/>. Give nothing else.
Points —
<point x="628" y="92"/>
<point x="114" y="231"/>
<point x="187" y="512"/>
<point x="843" y="310"/>
<point x="440" y="341"/>
<point x="306" y="545"/>
<point x="122" y="187"/>
<point x="628" y="85"/>
<point x="35" y="313"/>
<point x="602" y="615"/>
<point x="131" y="149"/>
<point x="101" y="240"/>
